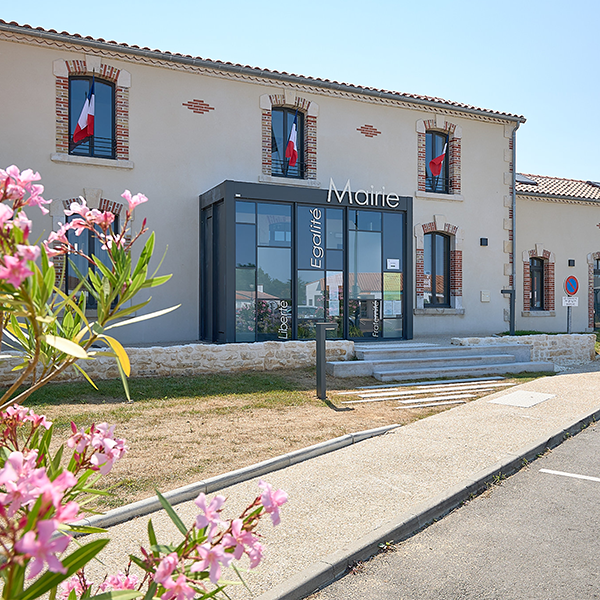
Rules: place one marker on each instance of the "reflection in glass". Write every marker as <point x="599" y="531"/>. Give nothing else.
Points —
<point x="436" y="264"/>
<point x="364" y="254"/>
<point x="393" y="240"/>
<point x="335" y="233"/>
<point x="245" y="212"/>
<point x="245" y="245"/>
<point x="274" y="276"/>
<point x="310" y="302"/>
<point x="365" y="318"/>
<point x="245" y="305"/>
<point x="274" y="319"/>
<point x="334" y="302"/>
<point x="392" y="328"/>
<point x="364" y="220"/>
<point x="274" y="225"/>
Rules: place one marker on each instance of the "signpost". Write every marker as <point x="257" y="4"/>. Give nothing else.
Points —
<point x="571" y="287"/>
<point x="322" y="329"/>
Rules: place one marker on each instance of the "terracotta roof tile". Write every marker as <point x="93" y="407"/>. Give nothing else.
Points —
<point x="267" y="72"/>
<point x="556" y="186"/>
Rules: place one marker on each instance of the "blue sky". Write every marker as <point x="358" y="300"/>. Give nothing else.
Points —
<point x="535" y="58"/>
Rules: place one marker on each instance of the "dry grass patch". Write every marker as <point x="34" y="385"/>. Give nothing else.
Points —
<point x="181" y="430"/>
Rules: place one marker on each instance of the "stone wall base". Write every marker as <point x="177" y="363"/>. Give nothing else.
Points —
<point x="196" y="359"/>
<point x="562" y="349"/>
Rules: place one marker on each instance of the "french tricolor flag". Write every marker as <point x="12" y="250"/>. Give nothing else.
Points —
<point x="291" y="151"/>
<point x="85" y="124"/>
<point x="435" y="165"/>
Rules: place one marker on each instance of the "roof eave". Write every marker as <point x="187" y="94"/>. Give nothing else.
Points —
<point x="256" y="72"/>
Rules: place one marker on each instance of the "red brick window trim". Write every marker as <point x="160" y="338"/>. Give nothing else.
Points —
<point x="549" y="300"/>
<point x="456" y="269"/>
<point x="454" y="133"/>
<point x="63" y="69"/>
<point x="591" y="259"/>
<point x="309" y="109"/>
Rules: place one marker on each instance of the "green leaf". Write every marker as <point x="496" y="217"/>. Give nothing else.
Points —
<point x="84" y="529"/>
<point x="72" y="563"/>
<point x="172" y="514"/>
<point x="64" y="345"/>
<point x="124" y="381"/>
<point x="141" y="564"/>
<point x="158" y="313"/>
<point x="152" y="536"/>
<point x="119" y="595"/>
<point x="120" y="353"/>
<point x="85" y="374"/>
<point x="156" y="281"/>
<point x="151" y="593"/>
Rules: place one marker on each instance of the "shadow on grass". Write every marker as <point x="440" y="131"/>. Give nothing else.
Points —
<point x="163" y="388"/>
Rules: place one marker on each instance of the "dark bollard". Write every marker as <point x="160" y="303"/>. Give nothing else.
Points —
<point x="322" y="329"/>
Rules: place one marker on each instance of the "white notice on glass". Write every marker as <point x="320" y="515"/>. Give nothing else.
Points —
<point x="393" y="263"/>
<point x="388" y="308"/>
<point x="398" y="308"/>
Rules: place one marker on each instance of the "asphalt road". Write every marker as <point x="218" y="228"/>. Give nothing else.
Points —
<point x="534" y="536"/>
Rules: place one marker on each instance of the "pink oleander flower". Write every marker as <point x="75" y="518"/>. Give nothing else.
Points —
<point x="53" y="492"/>
<point x="42" y="548"/>
<point x="21" y="221"/>
<point x="107" y="449"/>
<point x="211" y="558"/>
<point x="24" y="483"/>
<point x="36" y="200"/>
<point x="119" y="582"/>
<point x="6" y="213"/>
<point x="272" y="500"/>
<point x="243" y="541"/>
<point x="77" y="582"/>
<point x="133" y="201"/>
<point x="15" y="270"/>
<point x="28" y="252"/>
<point x="16" y="184"/>
<point x="165" y="569"/>
<point x="103" y="219"/>
<point x="59" y="236"/>
<point x="209" y="517"/>
<point x="77" y="209"/>
<point x="178" y="590"/>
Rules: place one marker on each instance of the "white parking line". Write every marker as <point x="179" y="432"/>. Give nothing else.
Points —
<point x="574" y="475"/>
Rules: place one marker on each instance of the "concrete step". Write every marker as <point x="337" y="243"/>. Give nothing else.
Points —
<point x="463" y="371"/>
<point x="372" y="352"/>
<point x="368" y="367"/>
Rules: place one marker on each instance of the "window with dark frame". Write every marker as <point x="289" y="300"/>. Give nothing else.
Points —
<point x="435" y="142"/>
<point x="282" y="120"/>
<point x="77" y="265"/>
<point x="103" y="143"/>
<point x="436" y="262"/>
<point x="536" y="272"/>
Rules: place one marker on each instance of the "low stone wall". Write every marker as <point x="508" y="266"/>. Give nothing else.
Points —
<point x="195" y="359"/>
<point x="562" y="349"/>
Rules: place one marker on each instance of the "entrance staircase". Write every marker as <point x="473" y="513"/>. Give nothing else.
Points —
<point x="412" y="361"/>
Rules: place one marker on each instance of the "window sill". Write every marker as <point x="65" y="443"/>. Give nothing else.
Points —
<point x="435" y="196"/>
<point x="91" y="161"/>
<point x="289" y="181"/>
<point x="438" y="311"/>
<point x="538" y="313"/>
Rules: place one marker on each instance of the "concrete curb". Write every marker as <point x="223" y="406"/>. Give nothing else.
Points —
<point x="333" y="566"/>
<point x="213" y="484"/>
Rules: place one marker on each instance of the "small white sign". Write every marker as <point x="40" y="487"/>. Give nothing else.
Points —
<point x="570" y="301"/>
<point x="393" y="263"/>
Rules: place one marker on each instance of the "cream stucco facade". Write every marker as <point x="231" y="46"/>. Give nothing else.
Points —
<point x="174" y="154"/>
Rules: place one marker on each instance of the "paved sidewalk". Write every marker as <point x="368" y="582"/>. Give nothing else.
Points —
<point x="343" y="503"/>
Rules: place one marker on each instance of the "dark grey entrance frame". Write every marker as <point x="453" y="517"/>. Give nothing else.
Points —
<point x="217" y="248"/>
